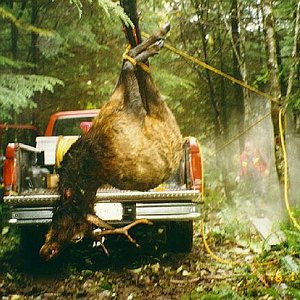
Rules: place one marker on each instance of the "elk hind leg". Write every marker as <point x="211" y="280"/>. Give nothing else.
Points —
<point x="150" y="41"/>
<point x="132" y="93"/>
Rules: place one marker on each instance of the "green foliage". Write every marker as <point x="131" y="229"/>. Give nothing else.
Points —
<point x="223" y="291"/>
<point x="16" y="92"/>
<point x="7" y="15"/>
<point x="172" y="85"/>
<point x="9" y="240"/>
<point x="293" y="239"/>
<point x="294" y="292"/>
<point x="290" y="265"/>
<point x="109" y="7"/>
<point x="7" y="62"/>
<point x="261" y="78"/>
<point x="1" y="207"/>
<point x="68" y="38"/>
<point x="294" y="101"/>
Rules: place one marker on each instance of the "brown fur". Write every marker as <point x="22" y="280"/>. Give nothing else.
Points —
<point x="142" y="152"/>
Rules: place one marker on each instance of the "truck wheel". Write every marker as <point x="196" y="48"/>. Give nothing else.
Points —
<point x="179" y="236"/>
<point x="31" y="239"/>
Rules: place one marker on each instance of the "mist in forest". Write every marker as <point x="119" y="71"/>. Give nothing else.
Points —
<point x="293" y="159"/>
<point x="247" y="170"/>
<point x="257" y="188"/>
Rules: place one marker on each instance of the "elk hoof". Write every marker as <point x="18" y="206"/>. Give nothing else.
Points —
<point x="166" y="28"/>
<point x="160" y="44"/>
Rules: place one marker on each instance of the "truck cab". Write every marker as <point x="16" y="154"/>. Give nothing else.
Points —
<point x="69" y="122"/>
<point x="31" y="185"/>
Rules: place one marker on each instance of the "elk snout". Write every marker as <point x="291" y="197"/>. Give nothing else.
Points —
<point x="48" y="251"/>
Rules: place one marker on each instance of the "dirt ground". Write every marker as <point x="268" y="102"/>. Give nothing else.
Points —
<point x="149" y="272"/>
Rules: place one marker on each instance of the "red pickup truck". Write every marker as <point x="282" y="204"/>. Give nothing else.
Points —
<point x="30" y="182"/>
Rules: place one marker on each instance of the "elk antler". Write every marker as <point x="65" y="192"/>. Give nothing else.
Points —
<point x="98" y="235"/>
<point x="93" y="219"/>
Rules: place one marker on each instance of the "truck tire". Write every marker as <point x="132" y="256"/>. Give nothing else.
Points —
<point x="179" y="236"/>
<point x="31" y="239"/>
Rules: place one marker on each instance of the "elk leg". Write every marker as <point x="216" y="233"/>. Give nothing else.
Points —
<point x="132" y="94"/>
<point x="150" y="51"/>
<point x="135" y="97"/>
<point x="149" y="41"/>
<point x="139" y="94"/>
<point x="122" y="231"/>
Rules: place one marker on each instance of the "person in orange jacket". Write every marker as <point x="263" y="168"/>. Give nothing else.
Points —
<point x="253" y="168"/>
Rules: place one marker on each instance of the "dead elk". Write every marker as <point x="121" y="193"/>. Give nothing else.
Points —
<point x="134" y="143"/>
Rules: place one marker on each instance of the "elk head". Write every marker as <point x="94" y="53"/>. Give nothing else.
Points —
<point x="71" y="228"/>
<point x="70" y="223"/>
<point x="66" y="227"/>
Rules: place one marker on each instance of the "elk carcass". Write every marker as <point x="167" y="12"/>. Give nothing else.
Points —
<point x="132" y="144"/>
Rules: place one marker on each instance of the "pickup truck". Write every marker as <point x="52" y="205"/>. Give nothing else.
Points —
<point x="30" y="186"/>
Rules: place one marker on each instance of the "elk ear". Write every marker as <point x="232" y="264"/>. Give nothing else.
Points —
<point x="93" y="219"/>
<point x="68" y="194"/>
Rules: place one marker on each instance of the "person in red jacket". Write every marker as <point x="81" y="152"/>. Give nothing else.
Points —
<point x="253" y="169"/>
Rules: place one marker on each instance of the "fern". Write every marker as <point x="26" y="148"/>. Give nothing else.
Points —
<point x="109" y="7"/>
<point x="16" y="64"/>
<point x="78" y="5"/>
<point x="16" y="92"/>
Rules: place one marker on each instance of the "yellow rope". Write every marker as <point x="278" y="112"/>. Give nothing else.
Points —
<point x="217" y="71"/>
<point x="143" y="66"/>
<point x="295" y="223"/>
<point x="208" y="250"/>
<point x="239" y="135"/>
<point x="286" y="198"/>
<point x="63" y="145"/>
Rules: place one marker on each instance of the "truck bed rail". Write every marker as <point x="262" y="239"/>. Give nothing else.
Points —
<point x="43" y="197"/>
<point x="112" y="205"/>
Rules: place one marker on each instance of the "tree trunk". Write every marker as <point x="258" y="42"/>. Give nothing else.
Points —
<point x="219" y="104"/>
<point x="34" y="36"/>
<point x="275" y="88"/>
<point x="238" y="101"/>
<point x="14" y="36"/>
<point x="200" y="9"/>
<point x="237" y="113"/>
<point x="295" y="55"/>
<point x="248" y="111"/>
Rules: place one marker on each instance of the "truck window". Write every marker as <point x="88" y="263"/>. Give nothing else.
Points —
<point x="69" y="126"/>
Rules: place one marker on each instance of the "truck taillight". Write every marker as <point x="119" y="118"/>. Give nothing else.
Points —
<point x="9" y="169"/>
<point x="195" y="162"/>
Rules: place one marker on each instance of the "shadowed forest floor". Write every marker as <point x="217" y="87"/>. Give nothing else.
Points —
<point x="84" y="272"/>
